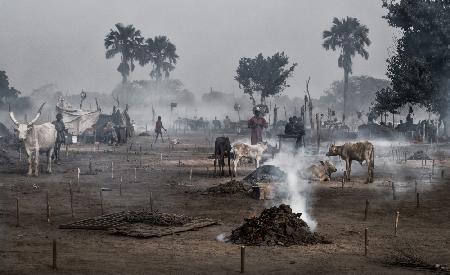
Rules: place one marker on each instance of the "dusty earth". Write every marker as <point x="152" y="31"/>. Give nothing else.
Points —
<point x="424" y="232"/>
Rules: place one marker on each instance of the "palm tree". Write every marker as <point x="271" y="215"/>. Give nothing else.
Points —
<point x="162" y="53"/>
<point x="351" y="37"/>
<point x="125" y="40"/>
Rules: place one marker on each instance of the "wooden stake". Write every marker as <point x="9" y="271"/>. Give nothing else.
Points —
<point x="366" y="211"/>
<point x="151" y="201"/>
<point x="417" y="200"/>
<point x="67" y="150"/>
<point x="54" y="254"/>
<point x="17" y="211"/>
<point x="128" y="158"/>
<point x="101" y="199"/>
<point x="71" y="197"/>
<point x="140" y="156"/>
<point x="190" y="175"/>
<point x="48" y="208"/>
<point x="366" y="241"/>
<point x="120" y="186"/>
<point x="442" y="173"/>
<point x="396" y="222"/>
<point x="112" y="170"/>
<point x="135" y="174"/>
<point x="242" y="259"/>
<point x="432" y="168"/>
<point x="415" y="186"/>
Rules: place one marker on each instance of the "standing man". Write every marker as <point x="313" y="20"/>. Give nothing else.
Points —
<point x="60" y="135"/>
<point x="257" y="123"/>
<point x="158" y="128"/>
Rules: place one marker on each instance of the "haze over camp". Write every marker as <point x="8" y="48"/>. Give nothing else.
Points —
<point x="217" y="137"/>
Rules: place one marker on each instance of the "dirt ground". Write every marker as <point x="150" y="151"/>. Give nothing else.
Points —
<point x="27" y="249"/>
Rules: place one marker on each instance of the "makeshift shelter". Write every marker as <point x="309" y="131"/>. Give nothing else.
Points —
<point x="76" y="120"/>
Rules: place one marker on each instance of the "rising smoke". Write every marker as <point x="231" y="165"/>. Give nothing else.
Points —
<point x="295" y="190"/>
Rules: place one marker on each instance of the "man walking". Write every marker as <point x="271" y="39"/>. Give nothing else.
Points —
<point x="60" y="135"/>
<point x="158" y="129"/>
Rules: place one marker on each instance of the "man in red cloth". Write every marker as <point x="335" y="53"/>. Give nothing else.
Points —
<point x="257" y="123"/>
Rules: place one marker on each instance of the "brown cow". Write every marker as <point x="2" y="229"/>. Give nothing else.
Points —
<point x="322" y="171"/>
<point x="359" y="151"/>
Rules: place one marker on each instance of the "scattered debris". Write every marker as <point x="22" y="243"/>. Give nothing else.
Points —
<point x="276" y="226"/>
<point x="419" y="155"/>
<point x="265" y="173"/>
<point x="156" y="218"/>
<point x="142" y="224"/>
<point x="407" y="256"/>
<point x="230" y="187"/>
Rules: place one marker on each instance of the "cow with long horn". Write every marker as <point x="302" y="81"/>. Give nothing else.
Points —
<point x="36" y="139"/>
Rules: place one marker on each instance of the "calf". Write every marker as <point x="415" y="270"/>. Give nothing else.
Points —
<point x="322" y="171"/>
<point x="250" y="151"/>
<point x="359" y="151"/>
<point x="222" y="149"/>
<point x="36" y="139"/>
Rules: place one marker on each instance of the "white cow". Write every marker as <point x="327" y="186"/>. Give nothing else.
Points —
<point x="240" y="150"/>
<point x="36" y="139"/>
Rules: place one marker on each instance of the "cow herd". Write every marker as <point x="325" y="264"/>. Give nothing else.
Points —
<point x="358" y="151"/>
<point x="41" y="139"/>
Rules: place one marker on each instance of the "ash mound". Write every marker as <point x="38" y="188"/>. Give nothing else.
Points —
<point x="276" y="226"/>
<point x="230" y="187"/>
<point x="265" y="173"/>
<point x="156" y="218"/>
<point x="419" y="155"/>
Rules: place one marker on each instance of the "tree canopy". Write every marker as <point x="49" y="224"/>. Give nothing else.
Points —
<point x="126" y="41"/>
<point x="420" y="68"/>
<point x="161" y="53"/>
<point x="267" y="75"/>
<point x="6" y="92"/>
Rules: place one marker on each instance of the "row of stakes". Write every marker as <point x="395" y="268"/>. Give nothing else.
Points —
<point x="242" y="248"/>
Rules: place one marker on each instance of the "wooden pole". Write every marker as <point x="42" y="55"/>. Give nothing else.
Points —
<point x="120" y="186"/>
<point x="396" y="222"/>
<point x="67" y="150"/>
<point x="442" y="173"/>
<point x="366" y="241"/>
<point x="17" y="211"/>
<point x="48" y="208"/>
<point x="101" y="199"/>
<point x="415" y="186"/>
<point x="190" y="175"/>
<point x="78" y="178"/>
<point x="140" y="156"/>
<point x="135" y="177"/>
<point x="242" y="259"/>
<point x="366" y="211"/>
<point x="71" y="197"/>
<point x="112" y="169"/>
<point x="417" y="200"/>
<point x="432" y="168"/>
<point x="54" y="255"/>
<point x="151" y="201"/>
<point x="128" y="158"/>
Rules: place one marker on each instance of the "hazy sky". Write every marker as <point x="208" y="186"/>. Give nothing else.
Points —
<point x="61" y="41"/>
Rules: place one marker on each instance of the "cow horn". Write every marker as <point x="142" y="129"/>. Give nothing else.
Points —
<point x="37" y="115"/>
<point x="11" y="115"/>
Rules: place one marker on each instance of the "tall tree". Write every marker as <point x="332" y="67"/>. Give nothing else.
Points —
<point x="351" y="37"/>
<point x="420" y="68"/>
<point x="126" y="41"/>
<point x="162" y="54"/>
<point x="6" y="92"/>
<point x="267" y="75"/>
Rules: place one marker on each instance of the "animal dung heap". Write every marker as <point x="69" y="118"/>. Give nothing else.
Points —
<point x="230" y="187"/>
<point x="275" y="226"/>
<point x="264" y="174"/>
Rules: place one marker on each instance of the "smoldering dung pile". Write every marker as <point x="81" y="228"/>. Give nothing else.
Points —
<point x="419" y="155"/>
<point x="230" y="187"/>
<point x="157" y="218"/>
<point x="276" y="226"/>
<point x="265" y="173"/>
